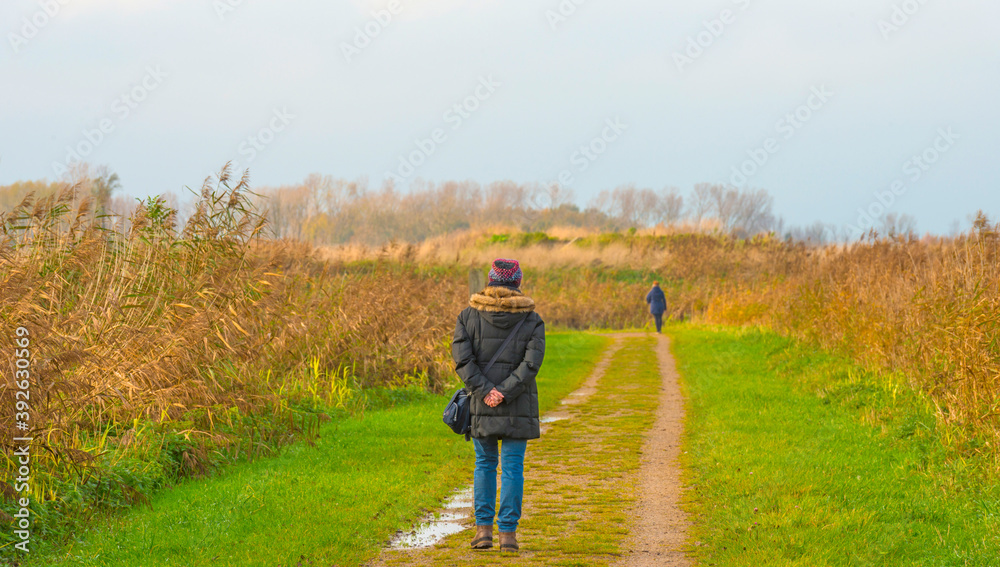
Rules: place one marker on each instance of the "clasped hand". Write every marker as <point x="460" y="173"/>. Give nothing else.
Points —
<point x="494" y="398"/>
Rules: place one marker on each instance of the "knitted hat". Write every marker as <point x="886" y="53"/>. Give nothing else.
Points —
<point x="506" y="273"/>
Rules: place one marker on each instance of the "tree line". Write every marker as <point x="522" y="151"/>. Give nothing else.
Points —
<point x="327" y="210"/>
<point x="323" y="209"/>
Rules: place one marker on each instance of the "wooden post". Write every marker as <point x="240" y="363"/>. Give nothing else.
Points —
<point x="477" y="281"/>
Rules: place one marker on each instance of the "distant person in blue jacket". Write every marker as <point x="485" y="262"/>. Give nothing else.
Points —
<point x="657" y="304"/>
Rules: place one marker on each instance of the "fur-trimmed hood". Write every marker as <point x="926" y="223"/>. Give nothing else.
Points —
<point x="497" y="299"/>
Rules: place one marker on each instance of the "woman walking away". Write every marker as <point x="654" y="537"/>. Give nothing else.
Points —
<point x="657" y="304"/>
<point x="500" y="326"/>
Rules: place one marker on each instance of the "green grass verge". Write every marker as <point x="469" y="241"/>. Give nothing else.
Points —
<point x="795" y="457"/>
<point x="336" y="501"/>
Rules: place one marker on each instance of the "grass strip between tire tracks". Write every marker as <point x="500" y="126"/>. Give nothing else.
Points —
<point x="581" y="477"/>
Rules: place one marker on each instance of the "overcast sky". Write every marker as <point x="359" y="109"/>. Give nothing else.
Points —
<point x="824" y="103"/>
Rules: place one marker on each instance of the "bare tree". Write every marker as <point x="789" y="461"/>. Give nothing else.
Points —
<point x="725" y="203"/>
<point x="738" y="212"/>
<point x="103" y="185"/>
<point x="818" y="233"/>
<point x="700" y="205"/>
<point x="626" y="204"/>
<point x="899" y="225"/>
<point x="559" y="196"/>
<point x="754" y="212"/>
<point x="670" y="207"/>
<point x="122" y="206"/>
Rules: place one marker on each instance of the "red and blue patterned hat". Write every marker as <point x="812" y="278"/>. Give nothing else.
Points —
<point x="506" y="273"/>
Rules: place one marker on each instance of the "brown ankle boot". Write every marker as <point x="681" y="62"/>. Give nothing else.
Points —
<point x="508" y="542"/>
<point x="483" y="538"/>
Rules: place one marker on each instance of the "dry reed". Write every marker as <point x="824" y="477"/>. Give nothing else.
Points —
<point x="140" y="327"/>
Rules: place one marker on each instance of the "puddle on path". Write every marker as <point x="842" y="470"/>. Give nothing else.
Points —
<point x="456" y="514"/>
<point x="432" y="530"/>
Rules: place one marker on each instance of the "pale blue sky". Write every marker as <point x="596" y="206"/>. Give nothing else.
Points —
<point x="215" y="78"/>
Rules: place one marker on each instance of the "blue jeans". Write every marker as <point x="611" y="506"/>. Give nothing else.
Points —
<point x="659" y="321"/>
<point x="511" y="458"/>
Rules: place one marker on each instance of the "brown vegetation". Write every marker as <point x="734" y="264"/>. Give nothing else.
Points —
<point x="585" y="279"/>
<point x="136" y="332"/>
<point x="154" y="341"/>
<point x="928" y="310"/>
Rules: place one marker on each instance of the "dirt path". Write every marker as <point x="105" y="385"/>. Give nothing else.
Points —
<point x="601" y="485"/>
<point x="587" y="389"/>
<point x="658" y="539"/>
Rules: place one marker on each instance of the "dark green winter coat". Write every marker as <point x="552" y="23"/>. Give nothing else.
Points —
<point x="480" y="331"/>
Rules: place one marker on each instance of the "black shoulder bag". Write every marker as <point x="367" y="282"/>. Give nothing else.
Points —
<point x="458" y="413"/>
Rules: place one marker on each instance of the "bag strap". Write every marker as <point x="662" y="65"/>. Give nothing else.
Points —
<point x="503" y="347"/>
